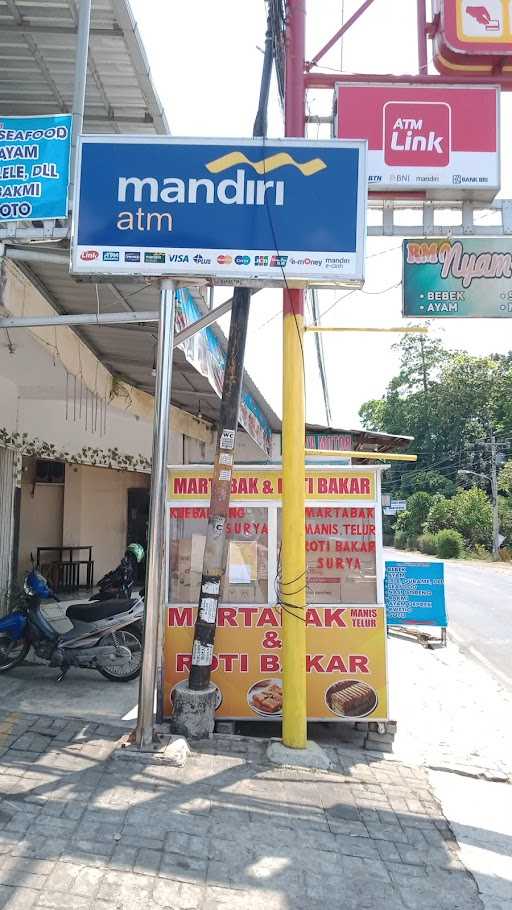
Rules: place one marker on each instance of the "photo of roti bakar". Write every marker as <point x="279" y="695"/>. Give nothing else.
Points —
<point x="266" y="697"/>
<point x="351" y="698"/>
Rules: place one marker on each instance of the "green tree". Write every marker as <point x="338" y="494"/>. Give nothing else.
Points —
<point x="418" y="508"/>
<point x="505" y="478"/>
<point x="473" y="516"/>
<point x="441" y="515"/>
<point x="447" y="401"/>
<point x="428" y="482"/>
<point x="505" y="513"/>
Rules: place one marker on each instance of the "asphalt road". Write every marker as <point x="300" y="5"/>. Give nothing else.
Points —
<point x="479" y="605"/>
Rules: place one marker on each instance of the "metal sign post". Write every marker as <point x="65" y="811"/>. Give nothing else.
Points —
<point x="156" y="539"/>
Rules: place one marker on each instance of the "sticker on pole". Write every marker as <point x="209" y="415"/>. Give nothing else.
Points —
<point x="247" y="212"/>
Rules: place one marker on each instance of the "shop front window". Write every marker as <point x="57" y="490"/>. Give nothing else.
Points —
<point x="340" y="555"/>
<point x="246" y="579"/>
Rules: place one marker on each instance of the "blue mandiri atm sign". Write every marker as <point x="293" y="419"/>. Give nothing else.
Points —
<point x="247" y="212"/>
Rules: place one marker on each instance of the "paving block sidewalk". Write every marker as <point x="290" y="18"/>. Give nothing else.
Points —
<point x="82" y="827"/>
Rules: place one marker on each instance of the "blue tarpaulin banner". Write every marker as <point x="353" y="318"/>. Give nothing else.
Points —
<point x="34" y="167"/>
<point x="414" y="594"/>
<point x="205" y="352"/>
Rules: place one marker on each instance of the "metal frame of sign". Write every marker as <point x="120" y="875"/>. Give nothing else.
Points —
<point x="230" y="273"/>
<point x="442" y="190"/>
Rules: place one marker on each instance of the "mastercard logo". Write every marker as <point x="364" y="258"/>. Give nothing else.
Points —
<point x="224" y="260"/>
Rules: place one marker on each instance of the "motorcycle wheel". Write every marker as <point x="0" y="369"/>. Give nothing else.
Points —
<point x="129" y="638"/>
<point x="12" y="652"/>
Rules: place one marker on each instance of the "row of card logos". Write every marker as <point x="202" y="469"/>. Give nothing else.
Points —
<point x="259" y="261"/>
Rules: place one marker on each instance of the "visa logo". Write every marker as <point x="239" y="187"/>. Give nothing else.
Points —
<point x="178" y="257"/>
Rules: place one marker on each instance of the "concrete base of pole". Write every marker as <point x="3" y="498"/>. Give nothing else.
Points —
<point x="313" y="756"/>
<point x="193" y="711"/>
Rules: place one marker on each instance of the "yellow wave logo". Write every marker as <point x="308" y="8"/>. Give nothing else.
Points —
<point x="266" y="165"/>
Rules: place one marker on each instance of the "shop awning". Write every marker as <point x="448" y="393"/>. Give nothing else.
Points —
<point x="37" y="54"/>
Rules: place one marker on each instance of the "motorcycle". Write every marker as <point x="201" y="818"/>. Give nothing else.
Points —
<point x="119" y="583"/>
<point x="105" y="635"/>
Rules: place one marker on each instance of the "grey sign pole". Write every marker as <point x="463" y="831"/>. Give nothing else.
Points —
<point x="155" y="574"/>
<point x="81" y="56"/>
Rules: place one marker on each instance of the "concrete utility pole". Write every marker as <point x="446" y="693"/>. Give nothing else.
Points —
<point x="194" y="700"/>
<point x="494" y="497"/>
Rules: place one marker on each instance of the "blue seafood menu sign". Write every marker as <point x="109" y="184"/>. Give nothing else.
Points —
<point x="414" y="594"/>
<point x="34" y="167"/>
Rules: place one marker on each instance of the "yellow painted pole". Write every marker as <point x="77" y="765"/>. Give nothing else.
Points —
<point x="293" y="541"/>
<point x="293" y="547"/>
<point x="406" y="330"/>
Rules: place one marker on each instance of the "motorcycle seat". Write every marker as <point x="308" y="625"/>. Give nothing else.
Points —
<point x="93" y="611"/>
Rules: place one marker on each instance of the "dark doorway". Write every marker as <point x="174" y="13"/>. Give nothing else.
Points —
<point x="137" y="525"/>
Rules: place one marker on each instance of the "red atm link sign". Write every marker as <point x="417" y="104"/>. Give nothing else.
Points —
<point x="436" y="139"/>
<point x="417" y="135"/>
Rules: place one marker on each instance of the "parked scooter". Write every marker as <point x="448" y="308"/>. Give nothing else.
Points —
<point x="105" y="636"/>
<point x="119" y="583"/>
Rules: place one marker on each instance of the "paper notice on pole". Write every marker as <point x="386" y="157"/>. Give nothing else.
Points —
<point x="225" y="458"/>
<point x="202" y="654"/>
<point x="225" y="475"/>
<point x="243" y="562"/>
<point x="227" y="439"/>
<point x="211" y="587"/>
<point x="208" y="609"/>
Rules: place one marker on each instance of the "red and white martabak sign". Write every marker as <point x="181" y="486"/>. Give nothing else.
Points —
<point x="441" y="140"/>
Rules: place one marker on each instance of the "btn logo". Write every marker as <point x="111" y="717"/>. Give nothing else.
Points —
<point x="89" y="255"/>
<point x="417" y="134"/>
<point x="242" y="260"/>
<point x="224" y="260"/>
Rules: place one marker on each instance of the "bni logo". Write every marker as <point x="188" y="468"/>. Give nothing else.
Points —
<point x="417" y="133"/>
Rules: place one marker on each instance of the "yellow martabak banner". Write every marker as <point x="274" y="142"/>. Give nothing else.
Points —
<point x="345" y="663"/>
<point x="252" y="484"/>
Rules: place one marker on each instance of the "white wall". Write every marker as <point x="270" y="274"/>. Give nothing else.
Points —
<point x="47" y="420"/>
<point x="96" y="511"/>
<point x="40" y="516"/>
<point x="8" y="401"/>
